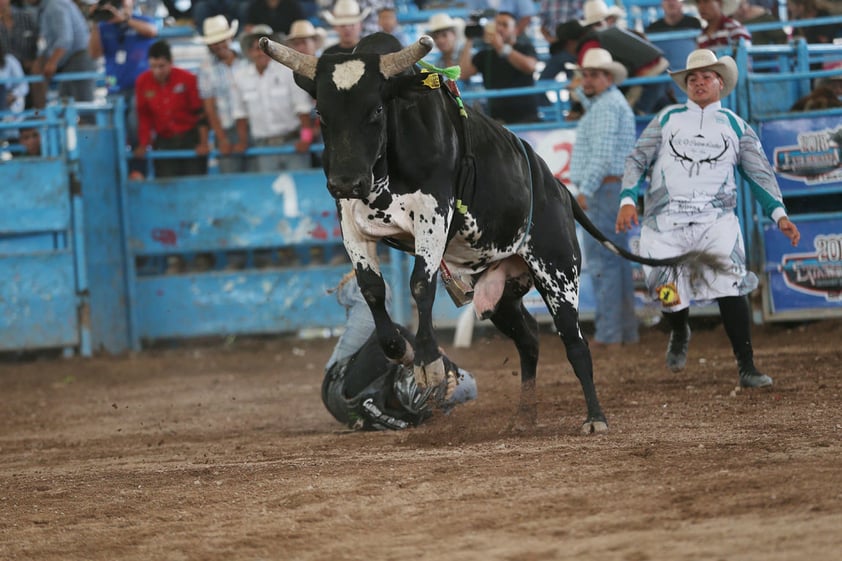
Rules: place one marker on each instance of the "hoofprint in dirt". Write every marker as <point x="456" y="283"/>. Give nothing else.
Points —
<point x="227" y="453"/>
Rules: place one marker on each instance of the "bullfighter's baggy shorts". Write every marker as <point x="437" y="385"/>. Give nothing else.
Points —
<point x="722" y="237"/>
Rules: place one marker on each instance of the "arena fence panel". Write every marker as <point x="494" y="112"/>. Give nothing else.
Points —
<point x="42" y="258"/>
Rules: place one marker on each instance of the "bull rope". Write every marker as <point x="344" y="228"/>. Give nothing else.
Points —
<point x="531" y="194"/>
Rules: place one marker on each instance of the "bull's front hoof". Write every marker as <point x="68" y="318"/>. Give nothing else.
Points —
<point x="592" y="426"/>
<point x="430" y="375"/>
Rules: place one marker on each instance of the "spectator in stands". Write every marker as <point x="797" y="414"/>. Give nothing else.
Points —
<point x="674" y="19"/>
<point x="233" y="10"/>
<point x="604" y="137"/>
<point x="14" y="94"/>
<point x="692" y="162"/>
<point x="553" y="13"/>
<point x="170" y="114"/>
<point x="30" y="139"/>
<point x="173" y="13"/>
<point x="598" y="14"/>
<point x="810" y="9"/>
<point x="387" y="20"/>
<point x="216" y="88"/>
<point x="563" y="50"/>
<point x="275" y="109"/>
<point x="748" y="13"/>
<point x="641" y="58"/>
<point x="721" y="30"/>
<point x="675" y="50"/>
<point x="366" y="9"/>
<point x="305" y="38"/>
<point x="346" y="19"/>
<point x="823" y="96"/>
<point x="19" y="37"/>
<point x="448" y="34"/>
<point x="771" y="5"/>
<point x="521" y="10"/>
<point x="277" y="14"/>
<point x="827" y="93"/>
<point x="64" y="39"/>
<point x="505" y="63"/>
<point x="123" y="40"/>
<point x="835" y="82"/>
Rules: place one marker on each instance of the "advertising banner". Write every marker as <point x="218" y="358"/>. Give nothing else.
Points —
<point x="555" y="146"/>
<point x="806" y="153"/>
<point x="806" y="281"/>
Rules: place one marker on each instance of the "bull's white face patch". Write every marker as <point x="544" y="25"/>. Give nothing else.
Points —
<point x="348" y="74"/>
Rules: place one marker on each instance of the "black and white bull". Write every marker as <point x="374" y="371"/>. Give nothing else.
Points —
<point x="404" y="165"/>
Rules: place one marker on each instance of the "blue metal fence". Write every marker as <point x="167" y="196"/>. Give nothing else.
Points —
<point x="42" y="253"/>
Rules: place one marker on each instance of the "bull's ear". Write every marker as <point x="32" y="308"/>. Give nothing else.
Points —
<point x="412" y="85"/>
<point x="306" y="84"/>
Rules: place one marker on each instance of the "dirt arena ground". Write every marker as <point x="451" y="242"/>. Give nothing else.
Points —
<point x="224" y="452"/>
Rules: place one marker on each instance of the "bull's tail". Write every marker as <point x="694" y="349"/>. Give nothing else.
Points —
<point x="693" y="259"/>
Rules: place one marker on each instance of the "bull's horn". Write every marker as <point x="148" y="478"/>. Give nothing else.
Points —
<point x="298" y="62"/>
<point x="393" y="63"/>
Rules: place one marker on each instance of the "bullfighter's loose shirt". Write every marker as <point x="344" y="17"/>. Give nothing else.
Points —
<point x="692" y="155"/>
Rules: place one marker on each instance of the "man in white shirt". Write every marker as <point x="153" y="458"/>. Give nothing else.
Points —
<point x="276" y="109"/>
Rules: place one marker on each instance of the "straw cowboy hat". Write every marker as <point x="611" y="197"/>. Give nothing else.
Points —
<point x="303" y="29"/>
<point x="216" y="29"/>
<point x="600" y="59"/>
<point x="440" y="21"/>
<point x="704" y="59"/>
<point x="259" y="30"/>
<point x="345" y="12"/>
<point x="728" y="6"/>
<point x="596" y="11"/>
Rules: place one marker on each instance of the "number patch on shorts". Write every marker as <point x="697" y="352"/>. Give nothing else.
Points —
<point x="668" y="294"/>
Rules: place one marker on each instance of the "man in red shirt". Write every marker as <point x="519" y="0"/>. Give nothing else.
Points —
<point x="170" y="114"/>
<point x="722" y="30"/>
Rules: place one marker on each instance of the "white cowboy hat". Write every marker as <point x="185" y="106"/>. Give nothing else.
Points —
<point x="728" y="6"/>
<point x="345" y="12"/>
<point x="303" y="29"/>
<point x="704" y="59"/>
<point x="215" y="29"/>
<point x="440" y="21"/>
<point x="596" y="11"/>
<point x="600" y="59"/>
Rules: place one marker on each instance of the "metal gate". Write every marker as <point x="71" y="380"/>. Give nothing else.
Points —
<point x="42" y="273"/>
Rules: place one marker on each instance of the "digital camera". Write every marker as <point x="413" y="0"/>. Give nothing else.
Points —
<point x="100" y="14"/>
<point x="475" y="27"/>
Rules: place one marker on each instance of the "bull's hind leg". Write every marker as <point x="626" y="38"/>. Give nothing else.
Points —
<point x="512" y="319"/>
<point x="562" y="301"/>
<point x="579" y="356"/>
